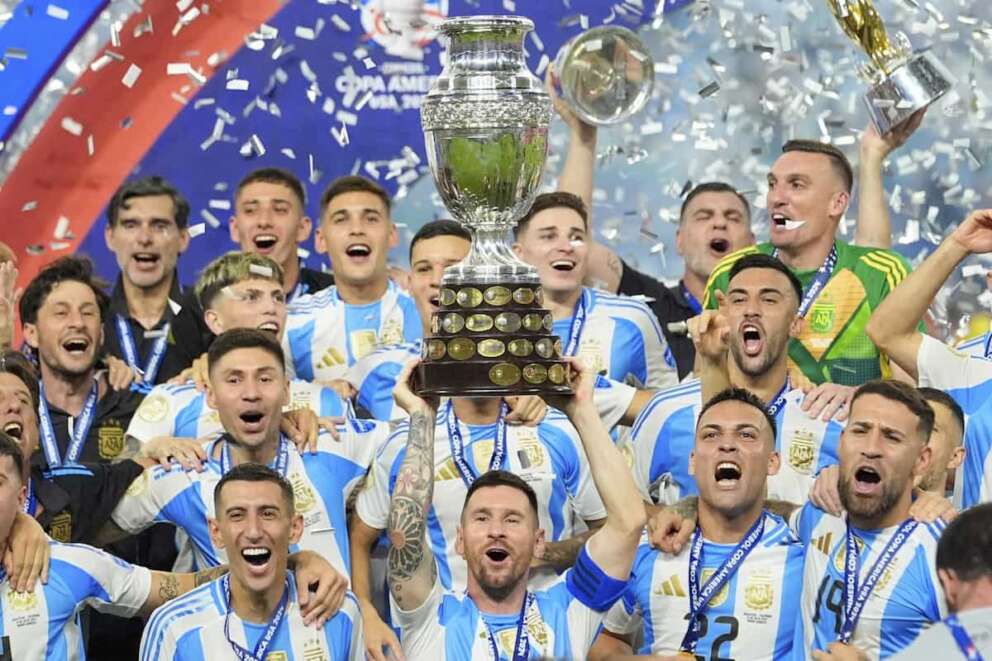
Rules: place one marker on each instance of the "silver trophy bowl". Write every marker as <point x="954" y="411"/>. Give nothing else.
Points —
<point x="605" y="75"/>
<point x="914" y="84"/>
<point x="485" y="124"/>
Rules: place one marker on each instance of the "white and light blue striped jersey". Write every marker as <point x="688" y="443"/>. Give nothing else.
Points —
<point x="548" y="457"/>
<point x="979" y="346"/>
<point x="322" y="482"/>
<point x="325" y="336"/>
<point x="374" y="377"/>
<point x="938" y="642"/>
<point x="968" y="380"/>
<point x="191" y="628"/>
<point x="182" y="411"/>
<point x="906" y="599"/>
<point x="753" y="616"/>
<point x="44" y="624"/>
<point x="622" y="340"/>
<point x="562" y="624"/>
<point x="665" y="433"/>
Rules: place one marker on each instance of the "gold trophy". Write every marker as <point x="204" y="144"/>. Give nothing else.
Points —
<point x="902" y="82"/>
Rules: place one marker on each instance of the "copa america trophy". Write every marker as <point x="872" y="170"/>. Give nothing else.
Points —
<point x="901" y="82"/>
<point x="485" y="126"/>
<point x="605" y="74"/>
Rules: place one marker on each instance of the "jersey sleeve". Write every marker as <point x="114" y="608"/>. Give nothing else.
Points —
<point x="573" y="466"/>
<point x="155" y="417"/>
<point x="374" y="380"/>
<point x="112" y="586"/>
<point x="155" y="497"/>
<point x="94" y="494"/>
<point x="966" y="378"/>
<point x="660" y="373"/>
<point x="343" y="632"/>
<point x="644" y="436"/>
<point x="330" y="403"/>
<point x="624" y="617"/>
<point x="372" y="504"/>
<point x="612" y="399"/>
<point x="803" y="521"/>
<point x="593" y="592"/>
<point x="420" y="629"/>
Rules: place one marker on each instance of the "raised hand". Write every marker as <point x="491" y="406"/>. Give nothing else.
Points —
<point x="975" y="233"/>
<point x="880" y="146"/>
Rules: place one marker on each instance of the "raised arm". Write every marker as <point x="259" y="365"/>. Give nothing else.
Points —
<point x="893" y="325"/>
<point x="613" y="546"/>
<point x="874" y="228"/>
<point x="411" y="571"/>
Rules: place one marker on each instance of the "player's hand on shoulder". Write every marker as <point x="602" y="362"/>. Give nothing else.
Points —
<point x="302" y="427"/>
<point x="825" y="493"/>
<point x="120" y="375"/>
<point x="669" y="529"/>
<point x="929" y="507"/>
<point x="828" y="400"/>
<point x="165" y="450"/>
<point x="321" y="588"/>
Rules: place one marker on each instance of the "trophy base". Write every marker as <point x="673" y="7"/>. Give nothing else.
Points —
<point x="913" y="85"/>
<point x="474" y="380"/>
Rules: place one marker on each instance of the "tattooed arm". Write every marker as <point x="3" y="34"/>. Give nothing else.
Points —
<point x="561" y="555"/>
<point x="411" y="571"/>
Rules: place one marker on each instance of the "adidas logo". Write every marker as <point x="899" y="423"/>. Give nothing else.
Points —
<point x="823" y="543"/>
<point x="671" y="587"/>
<point x="332" y="358"/>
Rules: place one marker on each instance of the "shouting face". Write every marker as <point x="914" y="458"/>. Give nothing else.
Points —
<point x="146" y="240"/>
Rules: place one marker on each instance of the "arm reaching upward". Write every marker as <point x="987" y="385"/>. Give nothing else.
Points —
<point x="411" y="569"/>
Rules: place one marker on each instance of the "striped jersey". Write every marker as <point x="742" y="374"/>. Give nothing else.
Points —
<point x="621" y="339"/>
<point x="833" y="345"/>
<point x="548" y="457"/>
<point x="979" y="346"/>
<point x="191" y="628"/>
<point x="753" y="616"/>
<point x="562" y="623"/>
<point x="374" y="377"/>
<point x="322" y="482"/>
<point x="938" y="642"/>
<point x="665" y="433"/>
<point x="325" y="336"/>
<point x="969" y="381"/>
<point x="44" y="624"/>
<point x="182" y="411"/>
<point x="906" y="599"/>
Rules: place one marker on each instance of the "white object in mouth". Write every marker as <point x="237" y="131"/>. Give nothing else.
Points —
<point x="790" y="224"/>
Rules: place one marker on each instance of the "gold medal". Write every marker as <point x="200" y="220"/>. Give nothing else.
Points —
<point x="520" y="347"/>
<point x="497" y="296"/>
<point x="508" y="322"/>
<point x="435" y="349"/>
<point x="461" y="348"/>
<point x="469" y="297"/>
<point x="452" y="322"/>
<point x="447" y="296"/>
<point x="533" y="322"/>
<point x="549" y="322"/>
<point x="523" y="296"/>
<point x="535" y="373"/>
<point x="491" y="348"/>
<point x="504" y="374"/>
<point x="479" y="323"/>
<point x="556" y="374"/>
<point x="544" y="347"/>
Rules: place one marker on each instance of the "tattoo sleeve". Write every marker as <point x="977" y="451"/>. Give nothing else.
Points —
<point x="686" y="508"/>
<point x="206" y="575"/>
<point x="168" y="587"/>
<point x="562" y="554"/>
<point x="411" y="569"/>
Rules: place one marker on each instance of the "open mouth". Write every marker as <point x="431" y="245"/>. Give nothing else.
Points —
<point x="497" y="554"/>
<point x="781" y="221"/>
<point x="434" y="300"/>
<point x="358" y="250"/>
<point x="727" y="473"/>
<point x="563" y="265"/>
<point x="14" y="429"/>
<point x="269" y="326"/>
<point x="265" y="242"/>
<point x="719" y="246"/>
<point x="252" y="417"/>
<point x="256" y="556"/>
<point x="751" y="339"/>
<point x="867" y="480"/>
<point x="146" y="258"/>
<point x="76" y="346"/>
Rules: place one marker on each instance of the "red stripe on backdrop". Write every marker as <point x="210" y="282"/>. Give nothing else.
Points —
<point x="57" y="173"/>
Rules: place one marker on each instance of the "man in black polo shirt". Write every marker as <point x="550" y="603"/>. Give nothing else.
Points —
<point x="269" y="219"/>
<point x="146" y="231"/>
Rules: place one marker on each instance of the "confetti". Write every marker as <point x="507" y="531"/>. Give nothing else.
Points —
<point x="61" y="228"/>
<point x="72" y="126"/>
<point x="57" y="12"/>
<point x="131" y="76"/>
<point x="196" y="230"/>
<point x="259" y="269"/>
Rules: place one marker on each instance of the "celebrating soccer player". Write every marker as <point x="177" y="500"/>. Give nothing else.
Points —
<point x="733" y="593"/>
<point x="499" y="536"/>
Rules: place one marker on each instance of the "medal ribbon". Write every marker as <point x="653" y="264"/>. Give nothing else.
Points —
<point x="31" y="502"/>
<point x="578" y="323"/>
<point x="521" y="642"/>
<point x="81" y="429"/>
<point x="819" y="280"/>
<point x="699" y="598"/>
<point x="988" y="345"/>
<point x="693" y="302"/>
<point x="131" y="352"/>
<point x="856" y="595"/>
<point x="779" y="401"/>
<point x="961" y="637"/>
<point x="457" y="444"/>
<point x="258" y="654"/>
<point x="281" y="461"/>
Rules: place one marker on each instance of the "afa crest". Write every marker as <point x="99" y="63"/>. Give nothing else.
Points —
<point x="822" y="316"/>
<point x="802" y="452"/>
<point x="60" y="528"/>
<point x="303" y="495"/>
<point x="111" y="439"/>
<point x="21" y="601"/>
<point x="759" y="594"/>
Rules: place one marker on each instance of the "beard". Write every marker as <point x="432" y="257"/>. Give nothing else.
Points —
<point x="755" y="366"/>
<point x="871" y="509"/>
<point x="501" y="587"/>
<point x="64" y="372"/>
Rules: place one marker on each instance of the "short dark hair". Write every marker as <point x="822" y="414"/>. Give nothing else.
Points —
<point x="353" y="183"/>
<point x="903" y="393"/>
<point x="838" y="160"/>
<point x="745" y="397"/>
<point x="965" y="546"/>
<point x="230" y="269"/>
<point x="10" y="448"/>
<point x="936" y="396"/>
<point x="244" y="338"/>
<point x="757" y="260"/>
<point x="554" y="200"/>
<point x="500" y="478"/>
<point x="16" y="363"/>
<point x="713" y="187"/>
<point x="274" y="176"/>
<point x="439" y="228"/>
<point x="253" y="472"/>
<point x="64" y="269"/>
<point x="147" y="187"/>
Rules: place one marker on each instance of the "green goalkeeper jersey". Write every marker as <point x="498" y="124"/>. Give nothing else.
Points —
<point x="833" y="345"/>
